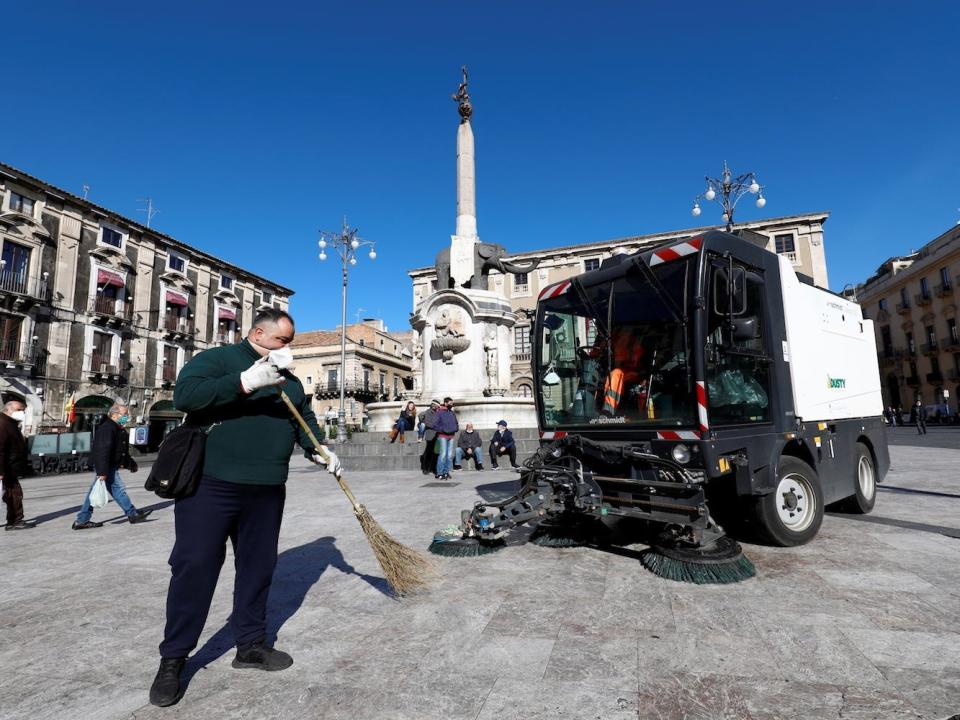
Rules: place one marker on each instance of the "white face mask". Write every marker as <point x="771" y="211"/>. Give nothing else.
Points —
<point x="281" y="357"/>
<point x="19" y="415"/>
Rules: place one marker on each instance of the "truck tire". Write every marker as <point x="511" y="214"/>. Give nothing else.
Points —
<point x="864" y="483"/>
<point x="792" y="513"/>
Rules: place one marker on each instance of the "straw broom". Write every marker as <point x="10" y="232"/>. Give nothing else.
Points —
<point x="405" y="569"/>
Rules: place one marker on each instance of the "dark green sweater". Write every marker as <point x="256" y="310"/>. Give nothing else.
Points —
<point x="256" y="435"/>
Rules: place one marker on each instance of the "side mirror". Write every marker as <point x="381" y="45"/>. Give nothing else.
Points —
<point x="745" y="328"/>
<point x="553" y="322"/>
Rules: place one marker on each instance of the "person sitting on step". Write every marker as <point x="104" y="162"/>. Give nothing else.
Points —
<point x="469" y="445"/>
<point x="406" y="421"/>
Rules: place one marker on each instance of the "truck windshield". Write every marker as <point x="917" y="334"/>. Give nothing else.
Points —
<point x="617" y="353"/>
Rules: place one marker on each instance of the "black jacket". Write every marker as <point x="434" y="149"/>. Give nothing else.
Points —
<point x="13" y="449"/>
<point x="429" y="418"/>
<point x="111" y="448"/>
<point x="503" y="439"/>
<point x="469" y="440"/>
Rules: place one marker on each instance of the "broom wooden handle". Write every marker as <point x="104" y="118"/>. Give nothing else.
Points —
<point x="319" y="449"/>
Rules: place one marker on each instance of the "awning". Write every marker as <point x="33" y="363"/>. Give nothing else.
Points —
<point x="106" y="277"/>
<point x="227" y="314"/>
<point x="175" y="298"/>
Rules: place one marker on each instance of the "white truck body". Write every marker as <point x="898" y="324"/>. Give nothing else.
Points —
<point x="830" y="351"/>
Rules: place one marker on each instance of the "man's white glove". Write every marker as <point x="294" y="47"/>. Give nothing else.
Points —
<point x="331" y="461"/>
<point x="260" y="375"/>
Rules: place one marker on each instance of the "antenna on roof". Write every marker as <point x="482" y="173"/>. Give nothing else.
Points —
<point x="150" y="210"/>
<point x="86" y="190"/>
<point x="359" y="310"/>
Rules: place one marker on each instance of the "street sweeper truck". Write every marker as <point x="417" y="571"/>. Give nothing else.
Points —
<point x="696" y="385"/>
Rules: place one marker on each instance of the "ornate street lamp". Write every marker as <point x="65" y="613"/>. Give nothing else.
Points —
<point x="345" y="243"/>
<point x="730" y="190"/>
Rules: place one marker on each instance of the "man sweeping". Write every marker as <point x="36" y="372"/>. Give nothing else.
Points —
<point x="241" y="495"/>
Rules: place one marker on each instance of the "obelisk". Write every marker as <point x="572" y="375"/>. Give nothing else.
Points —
<point x="463" y="242"/>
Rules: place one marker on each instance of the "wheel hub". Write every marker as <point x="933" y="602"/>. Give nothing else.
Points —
<point x="795" y="509"/>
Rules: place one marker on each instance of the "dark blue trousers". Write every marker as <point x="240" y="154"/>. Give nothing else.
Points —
<point x="249" y="515"/>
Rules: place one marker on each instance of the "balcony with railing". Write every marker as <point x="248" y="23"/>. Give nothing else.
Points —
<point x="362" y="391"/>
<point x="943" y="289"/>
<point x="953" y="375"/>
<point x="912" y="380"/>
<point x="923" y="299"/>
<point x="100" y="369"/>
<point x="935" y="377"/>
<point x="18" y="290"/>
<point x="950" y="343"/>
<point x="903" y="308"/>
<point x="15" y="354"/>
<point x="168" y="374"/>
<point x="174" y="326"/>
<point x="930" y="348"/>
<point x="901" y="353"/>
<point x="883" y="316"/>
<point x="110" y="311"/>
<point x="887" y="356"/>
<point x="520" y="357"/>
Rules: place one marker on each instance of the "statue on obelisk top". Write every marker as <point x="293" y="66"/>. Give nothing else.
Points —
<point x="463" y="98"/>
<point x="467" y="262"/>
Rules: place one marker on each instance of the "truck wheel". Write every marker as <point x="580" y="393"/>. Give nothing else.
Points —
<point x="792" y="513"/>
<point x="865" y="483"/>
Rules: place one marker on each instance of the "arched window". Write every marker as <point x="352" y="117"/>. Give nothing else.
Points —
<point x="524" y="390"/>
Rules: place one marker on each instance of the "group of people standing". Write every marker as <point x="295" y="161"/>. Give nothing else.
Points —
<point x="438" y="426"/>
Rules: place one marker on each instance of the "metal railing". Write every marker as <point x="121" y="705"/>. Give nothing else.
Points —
<point x="99" y="365"/>
<point x="903" y="307"/>
<point x="520" y="357"/>
<point x="923" y="299"/>
<point x="943" y="289"/>
<point x="18" y="283"/>
<point x="111" y="308"/>
<point x="928" y="348"/>
<point x="18" y="353"/>
<point x="950" y="343"/>
<point x="177" y="324"/>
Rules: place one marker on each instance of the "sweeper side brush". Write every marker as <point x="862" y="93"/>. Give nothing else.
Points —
<point x="721" y="562"/>
<point x="451" y="542"/>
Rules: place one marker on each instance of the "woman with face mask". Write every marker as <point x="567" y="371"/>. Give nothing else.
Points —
<point x="110" y="451"/>
<point x="13" y="462"/>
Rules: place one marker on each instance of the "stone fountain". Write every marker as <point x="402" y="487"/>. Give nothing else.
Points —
<point x="463" y="330"/>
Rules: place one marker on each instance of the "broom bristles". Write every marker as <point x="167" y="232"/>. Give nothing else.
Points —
<point x="404" y="568"/>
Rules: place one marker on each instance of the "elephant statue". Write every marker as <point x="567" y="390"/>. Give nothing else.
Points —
<point x="486" y="257"/>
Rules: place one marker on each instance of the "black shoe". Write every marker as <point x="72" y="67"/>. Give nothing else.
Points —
<point x="515" y="467"/>
<point x="480" y="467"/>
<point x="495" y="466"/>
<point x="22" y="525"/>
<point x="166" y="689"/>
<point x="262" y="657"/>
<point x="86" y="525"/>
<point x="139" y="516"/>
<point x="458" y="467"/>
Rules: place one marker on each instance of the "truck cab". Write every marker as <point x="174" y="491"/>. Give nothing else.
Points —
<point x="709" y="359"/>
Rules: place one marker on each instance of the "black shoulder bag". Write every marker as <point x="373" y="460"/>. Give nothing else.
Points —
<point x="178" y="468"/>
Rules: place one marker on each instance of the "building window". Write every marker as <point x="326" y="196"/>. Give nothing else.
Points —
<point x="362" y="342"/>
<point x="521" y="340"/>
<point x="911" y="345"/>
<point x="169" y="369"/>
<point x="266" y="297"/>
<point x="396" y="386"/>
<point x="10" y="336"/>
<point x="945" y="277"/>
<point x="309" y="379"/>
<point x="21" y="204"/>
<point x="383" y="382"/>
<point x="525" y="391"/>
<point x="952" y="330"/>
<point x="588" y="265"/>
<point x="332" y="377"/>
<point x="882" y="304"/>
<point x="886" y="342"/>
<point x="924" y="288"/>
<point x="102" y="351"/>
<point x="177" y="263"/>
<point x="904" y="298"/>
<point x="521" y="282"/>
<point x="111" y="237"/>
<point x="366" y="378"/>
<point x="934" y="366"/>
<point x="14" y="267"/>
<point x="931" y="335"/>
<point x="226" y="282"/>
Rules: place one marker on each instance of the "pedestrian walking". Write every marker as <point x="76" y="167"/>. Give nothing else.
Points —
<point x="469" y="446"/>
<point x="110" y="452"/>
<point x="13" y="463"/>
<point x="921" y="417"/>
<point x="446" y="426"/>
<point x="406" y="421"/>
<point x="428" y="458"/>
<point x="240" y="496"/>
<point x="502" y="443"/>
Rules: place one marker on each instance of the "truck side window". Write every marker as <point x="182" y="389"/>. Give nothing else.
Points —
<point x="738" y="373"/>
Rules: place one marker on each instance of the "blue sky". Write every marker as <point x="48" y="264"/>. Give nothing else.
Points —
<point x="252" y="125"/>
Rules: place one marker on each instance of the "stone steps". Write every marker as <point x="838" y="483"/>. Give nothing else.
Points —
<point x="373" y="451"/>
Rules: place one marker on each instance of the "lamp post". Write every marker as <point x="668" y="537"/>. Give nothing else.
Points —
<point x="730" y="189"/>
<point x="345" y="243"/>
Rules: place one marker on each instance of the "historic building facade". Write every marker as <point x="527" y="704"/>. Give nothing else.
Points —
<point x="96" y="307"/>
<point x="379" y="366"/>
<point x="799" y="237"/>
<point x="913" y="301"/>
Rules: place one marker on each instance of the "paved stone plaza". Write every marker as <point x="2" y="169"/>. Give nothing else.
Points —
<point x="862" y="623"/>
